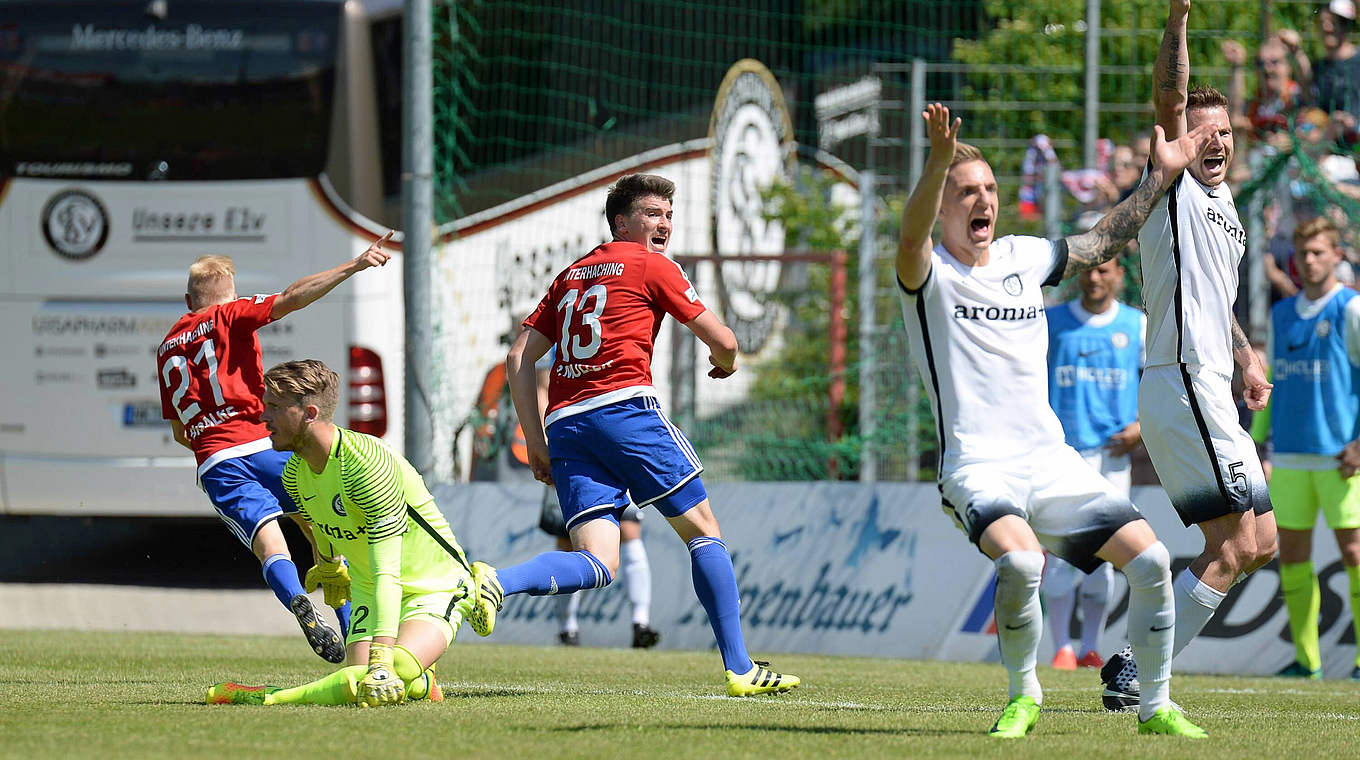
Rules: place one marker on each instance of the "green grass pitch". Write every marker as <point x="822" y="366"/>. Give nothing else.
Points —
<point x="122" y="695"/>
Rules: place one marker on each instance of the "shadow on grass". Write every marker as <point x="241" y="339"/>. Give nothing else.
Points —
<point x="767" y="728"/>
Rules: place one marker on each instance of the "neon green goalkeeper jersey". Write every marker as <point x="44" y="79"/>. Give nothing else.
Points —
<point x="371" y="505"/>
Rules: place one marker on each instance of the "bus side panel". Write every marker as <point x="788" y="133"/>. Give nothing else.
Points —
<point x="80" y="420"/>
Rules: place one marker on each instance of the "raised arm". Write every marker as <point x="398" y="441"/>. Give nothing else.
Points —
<point x="1171" y="74"/>
<point x="519" y="370"/>
<point x="313" y="286"/>
<point x="1303" y="68"/>
<point x="1108" y="237"/>
<point x="1236" y="56"/>
<point x="918" y="216"/>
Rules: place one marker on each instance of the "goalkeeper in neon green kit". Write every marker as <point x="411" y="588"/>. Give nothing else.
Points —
<point x="409" y="580"/>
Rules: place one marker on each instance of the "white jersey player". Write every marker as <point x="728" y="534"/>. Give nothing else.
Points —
<point x="1191" y="246"/>
<point x="975" y="320"/>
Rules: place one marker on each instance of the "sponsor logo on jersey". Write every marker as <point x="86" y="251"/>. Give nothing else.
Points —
<point x="1235" y="231"/>
<point x="1305" y="369"/>
<point x="1068" y="375"/>
<point x="996" y="313"/>
<point x="75" y="224"/>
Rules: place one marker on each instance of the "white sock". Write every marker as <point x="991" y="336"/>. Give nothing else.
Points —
<point x="1195" y="604"/>
<point x="567" y="605"/>
<point x="637" y="573"/>
<point x="1095" y="603"/>
<point x="1018" y="619"/>
<point x="1152" y="620"/>
<point x="1059" y="592"/>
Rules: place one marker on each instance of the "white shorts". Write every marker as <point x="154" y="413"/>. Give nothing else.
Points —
<point x="1071" y="508"/>
<point x="1116" y="469"/>
<point x="1207" y="463"/>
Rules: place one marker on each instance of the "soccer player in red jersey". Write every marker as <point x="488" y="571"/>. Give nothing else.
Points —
<point x="212" y="382"/>
<point x="606" y="437"/>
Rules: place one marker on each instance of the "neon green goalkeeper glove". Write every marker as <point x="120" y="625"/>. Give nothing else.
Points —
<point x="333" y="578"/>
<point x="381" y="685"/>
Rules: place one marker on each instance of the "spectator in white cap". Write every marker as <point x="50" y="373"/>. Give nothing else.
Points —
<point x="1336" y="78"/>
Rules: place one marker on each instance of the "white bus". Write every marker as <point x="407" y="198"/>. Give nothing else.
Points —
<point x="137" y="136"/>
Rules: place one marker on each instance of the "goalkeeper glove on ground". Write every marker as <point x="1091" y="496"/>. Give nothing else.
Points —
<point x="380" y="686"/>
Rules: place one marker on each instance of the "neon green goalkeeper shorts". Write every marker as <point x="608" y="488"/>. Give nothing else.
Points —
<point x="446" y="610"/>
<point x="1297" y="495"/>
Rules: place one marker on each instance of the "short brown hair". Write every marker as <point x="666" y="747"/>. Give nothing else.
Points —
<point x="306" y="381"/>
<point x="209" y="276"/>
<point x="629" y="189"/>
<point x="1204" y="96"/>
<point x="1319" y="225"/>
<point x="965" y="152"/>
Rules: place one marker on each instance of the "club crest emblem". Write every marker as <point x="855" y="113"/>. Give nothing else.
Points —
<point x="1013" y="284"/>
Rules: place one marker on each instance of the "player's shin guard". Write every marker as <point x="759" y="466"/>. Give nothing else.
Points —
<point x="1303" y="599"/>
<point x="1019" y="619"/>
<point x="342" y="616"/>
<point x="282" y="576"/>
<point x="1196" y="602"/>
<point x="715" y="583"/>
<point x="338" y="688"/>
<point x="1152" y="620"/>
<point x="555" y="573"/>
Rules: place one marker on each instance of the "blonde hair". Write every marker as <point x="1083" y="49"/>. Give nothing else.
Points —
<point x="212" y="279"/>
<point x="964" y="152"/>
<point x="1320" y="225"/>
<point x="304" y="382"/>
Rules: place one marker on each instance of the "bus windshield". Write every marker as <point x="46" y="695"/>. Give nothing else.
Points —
<point x="166" y="89"/>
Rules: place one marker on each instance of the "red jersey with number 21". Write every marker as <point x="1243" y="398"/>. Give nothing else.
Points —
<point x="603" y="312"/>
<point x="211" y="378"/>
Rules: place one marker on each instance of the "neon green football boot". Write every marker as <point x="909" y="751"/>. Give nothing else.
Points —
<point x="759" y="680"/>
<point x="488" y="598"/>
<point x="230" y="693"/>
<point x="1171" y="722"/>
<point x="1017" y="719"/>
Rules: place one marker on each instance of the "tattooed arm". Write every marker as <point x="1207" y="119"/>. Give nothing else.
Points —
<point x="1255" y="386"/>
<point x="1108" y="237"/>
<point x="1171" y="74"/>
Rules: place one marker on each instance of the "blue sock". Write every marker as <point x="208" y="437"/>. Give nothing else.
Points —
<point x="715" y="584"/>
<point x="554" y="573"/>
<point x="282" y="576"/>
<point x="342" y="614"/>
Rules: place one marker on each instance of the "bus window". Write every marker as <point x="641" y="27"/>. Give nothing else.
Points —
<point x="206" y="91"/>
<point x="386" y="35"/>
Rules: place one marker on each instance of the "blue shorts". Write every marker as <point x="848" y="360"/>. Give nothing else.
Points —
<point x="601" y="457"/>
<point x="247" y="491"/>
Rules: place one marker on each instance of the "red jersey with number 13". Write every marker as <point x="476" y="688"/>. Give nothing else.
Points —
<point x="603" y="312"/>
<point x="211" y="374"/>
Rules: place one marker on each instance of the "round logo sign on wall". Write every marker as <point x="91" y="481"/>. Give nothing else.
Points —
<point x="752" y="148"/>
<point x="75" y="224"/>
